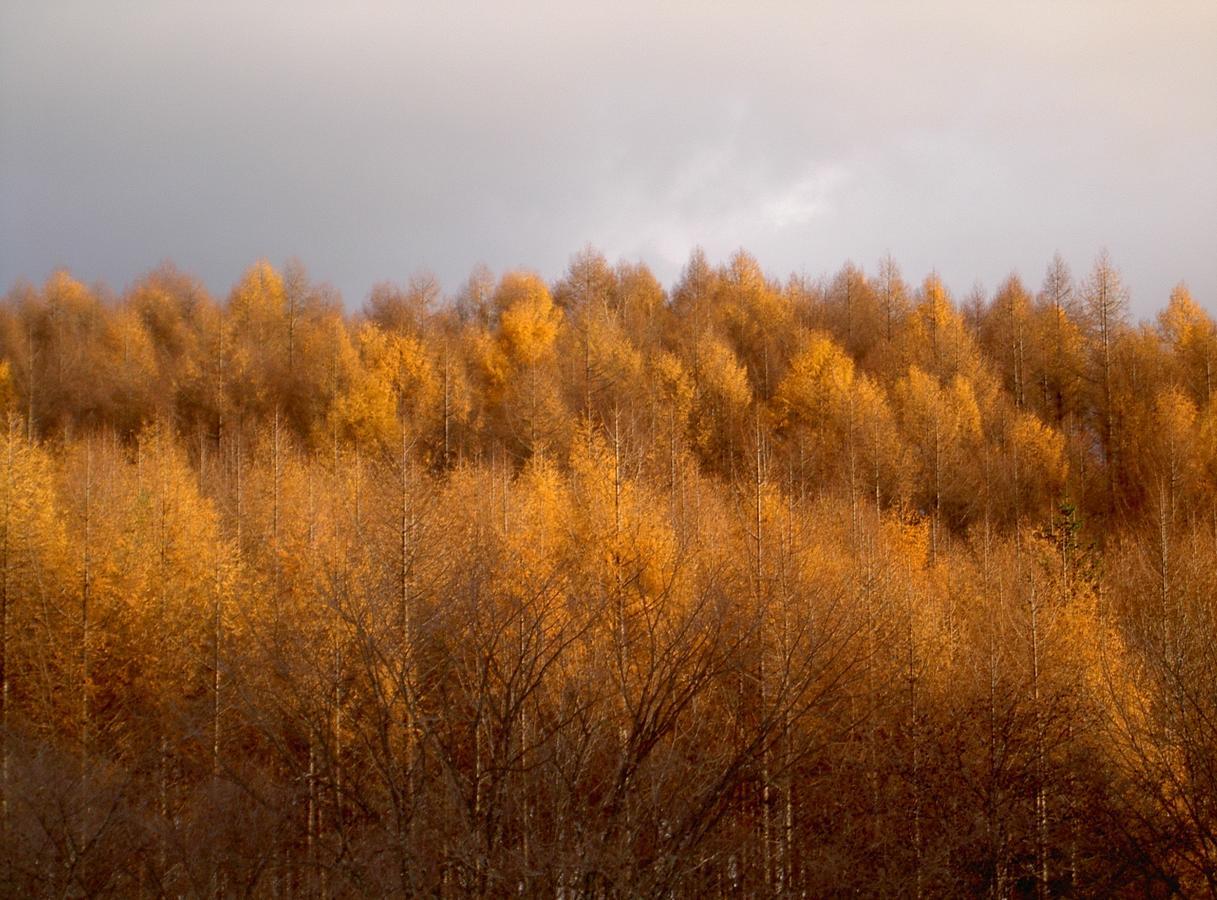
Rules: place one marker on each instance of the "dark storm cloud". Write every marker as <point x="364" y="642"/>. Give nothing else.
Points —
<point x="374" y="139"/>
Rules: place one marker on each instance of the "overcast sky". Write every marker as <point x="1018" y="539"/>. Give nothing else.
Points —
<point x="371" y="140"/>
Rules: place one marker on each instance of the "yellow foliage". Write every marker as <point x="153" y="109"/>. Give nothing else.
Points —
<point x="1192" y="335"/>
<point x="1174" y="418"/>
<point x="1057" y="357"/>
<point x="722" y="380"/>
<point x="616" y="522"/>
<point x="537" y="526"/>
<point x="174" y="584"/>
<point x="882" y="454"/>
<point x="67" y="295"/>
<point x="37" y="571"/>
<point x="935" y="338"/>
<point x="816" y="388"/>
<point x="1041" y="453"/>
<point x="722" y="398"/>
<point x="1208" y="445"/>
<point x="528" y="319"/>
<point x="967" y="412"/>
<point x="366" y="413"/>
<point x="259" y="296"/>
<point x="937" y="418"/>
<point x="8" y="396"/>
<point x="762" y="536"/>
<point x="613" y="359"/>
<point x="492" y="363"/>
<point x="31" y="514"/>
<point x="1176" y="443"/>
<point x="907" y="542"/>
<point x="675" y="386"/>
<point x="414" y="376"/>
<point x="943" y="431"/>
<point x="396" y="383"/>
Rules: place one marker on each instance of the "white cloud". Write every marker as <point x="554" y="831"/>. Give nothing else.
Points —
<point x="806" y="199"/>
<point x="379" y="138"/>
<point x="719" y="198"/>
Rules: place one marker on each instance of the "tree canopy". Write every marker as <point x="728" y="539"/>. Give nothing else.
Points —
<point x="595" y="589"/>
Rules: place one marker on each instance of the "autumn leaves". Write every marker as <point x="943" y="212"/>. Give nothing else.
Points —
<point x="596" y="589"/>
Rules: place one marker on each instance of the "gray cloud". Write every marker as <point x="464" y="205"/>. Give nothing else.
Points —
<point x="379" y="138"/>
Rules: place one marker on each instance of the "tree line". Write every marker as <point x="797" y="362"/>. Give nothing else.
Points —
<point x="597" y="589"/>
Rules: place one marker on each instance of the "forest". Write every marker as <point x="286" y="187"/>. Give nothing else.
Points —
<point x="594" y="588"/>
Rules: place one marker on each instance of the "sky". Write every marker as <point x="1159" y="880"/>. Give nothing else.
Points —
<point x="372" y="141"/>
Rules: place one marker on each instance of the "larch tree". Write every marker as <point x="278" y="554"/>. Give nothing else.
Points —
<point x="528" y="329"/>
<point x="942" y="425"/>
<point x="1192" y="336"/>
<point x="1105" y="303"/>
<point x="791" y="589"/>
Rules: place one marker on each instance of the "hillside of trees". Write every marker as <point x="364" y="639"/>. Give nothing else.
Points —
<point x="597" y="589"/>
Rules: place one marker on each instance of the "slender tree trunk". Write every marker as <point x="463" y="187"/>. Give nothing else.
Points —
<point x="914" y="726"/>
<point x="447" y="413"/>
<point x="1041" y="794"/>
<point x="5" y="543"/>
<point x="217" y="639"/>
<point x="86" y="587"/>
<point x="405" y="617"/>
<point x="762" y="612"/>
<point x="29" y="397"/>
